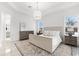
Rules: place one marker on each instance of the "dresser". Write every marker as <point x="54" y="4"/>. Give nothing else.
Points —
<point x="25" y="34"/>
<point x="71" y="40"/>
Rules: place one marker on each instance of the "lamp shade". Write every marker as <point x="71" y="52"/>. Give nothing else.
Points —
<point x="37" y="15"/>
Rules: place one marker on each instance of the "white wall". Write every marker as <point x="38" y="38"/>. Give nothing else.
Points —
<point x="53" y="20"/>
<point x="16" y="20"/>
<point x="25" y="20"/>
<point x="57" y="18"/>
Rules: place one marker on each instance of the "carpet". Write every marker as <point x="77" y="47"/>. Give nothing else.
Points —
<point x="27" y="49"/>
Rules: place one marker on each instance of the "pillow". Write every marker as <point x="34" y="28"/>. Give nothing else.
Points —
<point x="56" y="33"/>
<point x="46" y="33"/>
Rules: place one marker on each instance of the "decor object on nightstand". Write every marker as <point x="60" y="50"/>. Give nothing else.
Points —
<point x="39" y="25"/>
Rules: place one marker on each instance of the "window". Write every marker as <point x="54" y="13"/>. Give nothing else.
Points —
<point x="39" y="23"/>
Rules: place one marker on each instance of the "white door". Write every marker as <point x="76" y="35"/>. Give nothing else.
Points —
<point x="5" y="23"/>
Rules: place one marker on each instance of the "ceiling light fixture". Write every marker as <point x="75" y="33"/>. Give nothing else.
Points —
<point x="37" y="12"/>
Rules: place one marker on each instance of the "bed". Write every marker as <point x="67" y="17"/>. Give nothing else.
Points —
<point x="46" y="42"/>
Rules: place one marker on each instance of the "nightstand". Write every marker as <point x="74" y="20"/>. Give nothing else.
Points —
<point x="71" y="40"/>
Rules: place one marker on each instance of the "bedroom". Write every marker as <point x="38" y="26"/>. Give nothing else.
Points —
<point x="25" y="17"/>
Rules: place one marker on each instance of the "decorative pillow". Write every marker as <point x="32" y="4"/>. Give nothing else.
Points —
<point x="46" y="33"/>
<point x="56" y="33"/>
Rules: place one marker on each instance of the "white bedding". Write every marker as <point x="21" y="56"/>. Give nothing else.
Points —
<point x="56" y="40"/>
<point x="46" y="36"/>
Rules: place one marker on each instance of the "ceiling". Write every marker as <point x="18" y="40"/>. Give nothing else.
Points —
<point x="44" y="7"/>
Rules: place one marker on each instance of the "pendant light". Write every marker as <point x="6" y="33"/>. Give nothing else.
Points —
<point x="37" y="12"/>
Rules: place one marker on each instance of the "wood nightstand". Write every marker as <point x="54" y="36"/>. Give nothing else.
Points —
<point x="71" y="40"/>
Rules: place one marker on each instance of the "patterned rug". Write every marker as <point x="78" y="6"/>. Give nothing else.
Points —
<point x="27" y="49"/>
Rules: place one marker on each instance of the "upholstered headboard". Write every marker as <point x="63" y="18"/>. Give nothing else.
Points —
<point x="56" y="28"/>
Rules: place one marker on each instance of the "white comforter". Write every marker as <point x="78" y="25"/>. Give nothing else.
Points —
<point x="56" y="40"/>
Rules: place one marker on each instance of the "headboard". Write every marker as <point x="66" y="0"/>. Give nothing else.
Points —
<point x="56" y="28"/>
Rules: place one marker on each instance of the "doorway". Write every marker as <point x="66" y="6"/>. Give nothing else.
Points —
<point x="7" y="24"/>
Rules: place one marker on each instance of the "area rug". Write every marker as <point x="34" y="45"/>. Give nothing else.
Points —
<point x="27" y="49"/>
